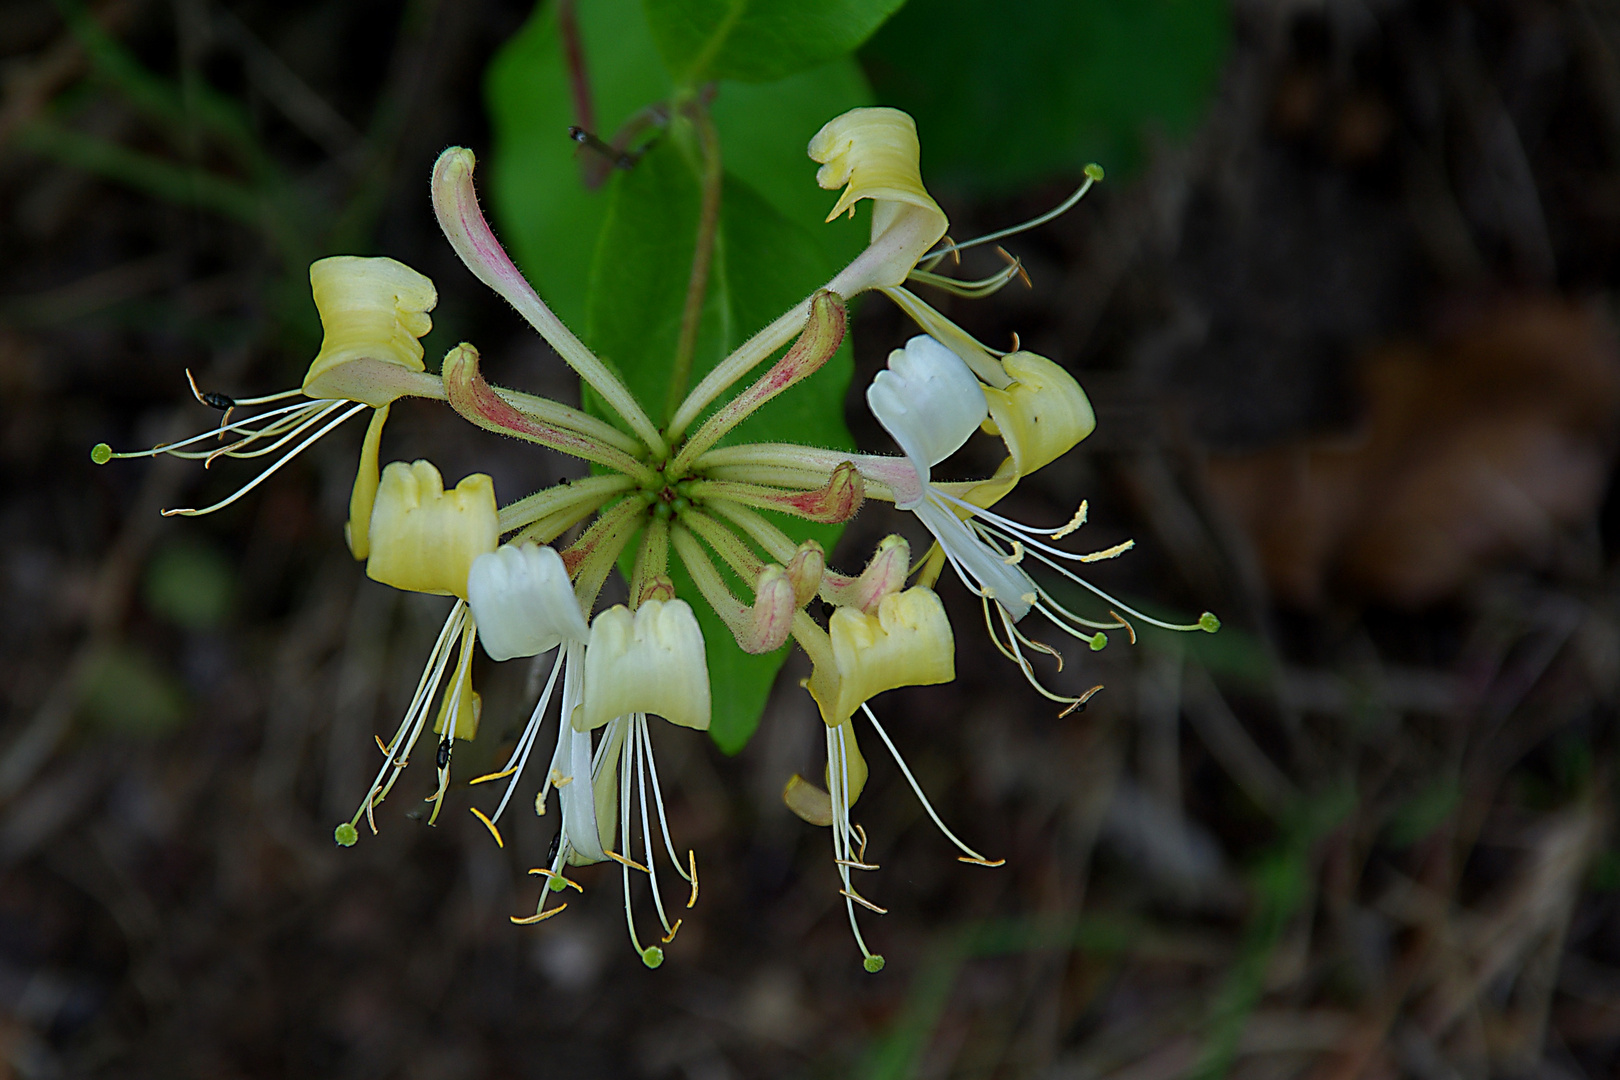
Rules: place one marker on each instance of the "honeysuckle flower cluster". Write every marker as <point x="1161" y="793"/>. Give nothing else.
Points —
<point x="527" y="576"/>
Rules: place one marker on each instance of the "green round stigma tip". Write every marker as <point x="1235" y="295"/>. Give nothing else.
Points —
<point x="1208" y="623"/>
<point x="873" y="963"/>
<point x="101" y="453"/>
<point x="346" y="834"/>
<point x="1094" y="172"/>
<point x="1098" y="641"/>
<point x="652" y="956"/>
<point x="557" y="884"/>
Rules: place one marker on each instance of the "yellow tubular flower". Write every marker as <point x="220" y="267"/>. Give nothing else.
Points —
<point x="373" y="311"/>
<point x="651" y="661"/>
<point x="874" y="152"/>
<point x="1042" y="415"/>
<point x="469" y="704"/>
<point x="357" y="530"/>
<point x="907" y="643"/>
<point x="424" y="538"/>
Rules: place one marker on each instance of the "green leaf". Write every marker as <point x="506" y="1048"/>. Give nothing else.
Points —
<point x="763" y="263"/>
<point x="191" y="584"/>
<point x="1006" y="94"/>
<point x="758" y="40"/>
<point x="550" y="221"/>
<point x="122" y="690"/>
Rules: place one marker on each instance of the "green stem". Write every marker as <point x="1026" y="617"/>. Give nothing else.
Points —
<point x="697" y="283"/>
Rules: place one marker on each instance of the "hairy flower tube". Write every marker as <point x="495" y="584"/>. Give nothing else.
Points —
<point x="527" y="577"/>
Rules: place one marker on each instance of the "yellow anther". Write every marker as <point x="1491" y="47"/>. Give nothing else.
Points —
<point x="558" y="780"/>
<point x="493" y="776"/>
<point x="551" y="876"/>
<point x="1016" y="557"/>
<point x="539" y="916"/>
<point x="1075" y="522"/>
<point x="488" y="824"/>
<point x="691" y="864"/>
<point x="631" y="863"/>
<point x="669" y="937"/>
<point x="1108" y="553"/>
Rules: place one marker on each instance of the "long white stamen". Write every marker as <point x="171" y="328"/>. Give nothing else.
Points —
<point x="293" y="430"/>
<point x="916" y="787"/>
<point x="266" y="474"/>
<point x="639" y="737"/>
<point x="933" y="257"/>
<point x="658" y="800"/>
<point x="1078" y="580"/>
<point x="531" y="733"/>
<point x="240" y="426"/>
<point x="410" y="727"/>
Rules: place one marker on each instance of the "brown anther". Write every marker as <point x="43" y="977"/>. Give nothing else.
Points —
<point x="1017" y="266"/>
<point x="853" y="865"/>
<point x="669" y="937"/>
<point x="691" y="862"/>
<point x="863" y="901"/>
<point x="1129" y="629"/>
<point x="981" y="862"/>
<point x="861" y="834"/>
<point x="1079" y="703"/>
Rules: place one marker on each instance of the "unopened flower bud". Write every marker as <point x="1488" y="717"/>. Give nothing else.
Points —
<point x="805" y="570"/>
<point x="885" y="574"/>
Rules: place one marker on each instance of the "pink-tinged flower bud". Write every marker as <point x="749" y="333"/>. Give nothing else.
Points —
<point x="884" y="575"/>
<point x="806" y="570"/>
<point x="765" y="626"/>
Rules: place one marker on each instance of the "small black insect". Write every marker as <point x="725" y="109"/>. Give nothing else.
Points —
<point x="444" y="752"/>
<point x="619" y="159"/>
<point x="222" y="402"/>
<point x="556" y="843"/>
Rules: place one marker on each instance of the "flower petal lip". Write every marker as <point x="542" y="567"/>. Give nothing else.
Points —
<point x="907" y="643"/>
<point x="929" y="402"/>
<point x="424" y="538"/>
<point x="649" y="661"/>
<point x="523" y="601"/>
<point x="874" y="151"/>
<point x="372" y="310"/>
<point x="1042" y="415"/>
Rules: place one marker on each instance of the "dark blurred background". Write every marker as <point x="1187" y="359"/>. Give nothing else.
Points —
<point x="1347" y="318"/>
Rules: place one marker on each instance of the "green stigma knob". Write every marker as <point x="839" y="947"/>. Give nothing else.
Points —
<point x="1208" y="623"/>
<point x="873" y="963"/>
<point x="101" y="453"/>
<point x="346" y="834"/>
<point x="1094" y="172"/>
<point x="557" y="884"/>
<point x="652" y="956"/>
<point x="1098" y="641"/>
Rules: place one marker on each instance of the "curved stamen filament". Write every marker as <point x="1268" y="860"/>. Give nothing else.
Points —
<point x="1093" y="174"/>
<point x="520" y="753"/>
<point x="235" y="427"/>
<point x="917" y="788"/>
<point x="415" y="716"/>
<point x="266" y="474"/>
<point x="234" y="450"/>
<point x="842" y="834"/>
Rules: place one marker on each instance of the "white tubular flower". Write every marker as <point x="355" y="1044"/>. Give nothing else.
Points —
<point x="524" y="601"/>
<point x="926" y="401"/>
<point x="929" y="401"/>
